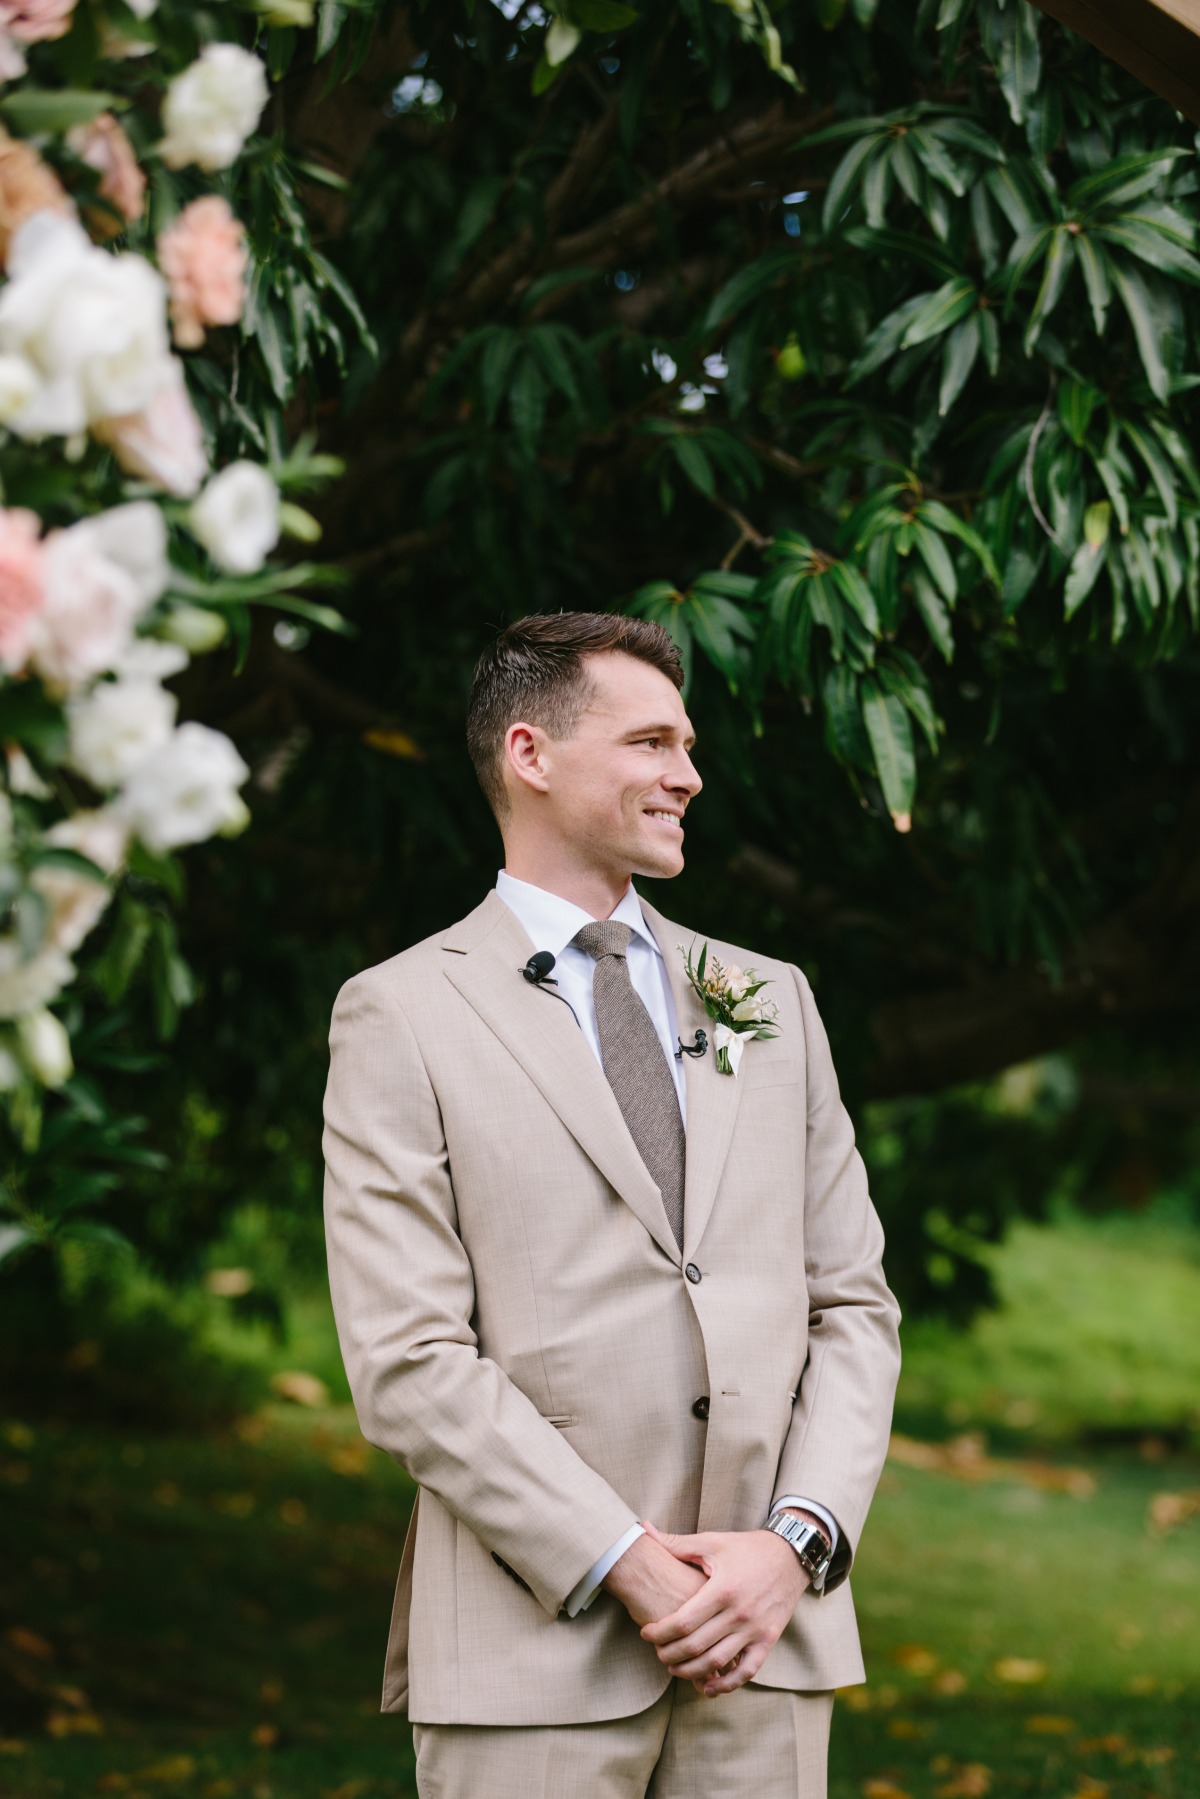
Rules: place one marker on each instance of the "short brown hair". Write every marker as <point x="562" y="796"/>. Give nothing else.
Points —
<point x="534" y="671"/>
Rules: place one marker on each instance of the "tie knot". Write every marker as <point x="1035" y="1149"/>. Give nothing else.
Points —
<point x="606" y="937"/>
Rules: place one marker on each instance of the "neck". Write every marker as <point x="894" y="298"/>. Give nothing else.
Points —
<point x="597" y="891"/>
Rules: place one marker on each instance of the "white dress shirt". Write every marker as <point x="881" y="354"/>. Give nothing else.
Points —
<point x="551" y="922"/>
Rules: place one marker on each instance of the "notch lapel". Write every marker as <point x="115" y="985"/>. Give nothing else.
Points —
<point x="488" y="950"/>
<point x="712" y="1098"/>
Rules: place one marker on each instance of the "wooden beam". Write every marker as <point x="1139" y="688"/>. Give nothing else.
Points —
<point x="1156" y="40"/>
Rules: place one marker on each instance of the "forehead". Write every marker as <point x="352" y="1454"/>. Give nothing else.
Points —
<point x="624" y="686"/>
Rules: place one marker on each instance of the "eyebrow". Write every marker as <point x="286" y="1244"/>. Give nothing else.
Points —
<point x="658" y="731"/>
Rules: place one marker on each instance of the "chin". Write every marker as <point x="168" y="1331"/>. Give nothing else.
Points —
<point x="661" y="865"/>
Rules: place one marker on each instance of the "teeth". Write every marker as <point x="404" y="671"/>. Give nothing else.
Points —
<point x="669" y="816"/>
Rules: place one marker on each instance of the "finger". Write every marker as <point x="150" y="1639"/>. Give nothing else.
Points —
<point x="685" y="1649"/>
<point x="747" y="1666"/>
<point x="692" y="1615"/>
<point x="713" y="1663"/>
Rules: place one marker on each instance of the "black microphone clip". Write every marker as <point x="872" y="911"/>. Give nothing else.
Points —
<point x="538" y="967"/>
<point x="698" y="1048"/>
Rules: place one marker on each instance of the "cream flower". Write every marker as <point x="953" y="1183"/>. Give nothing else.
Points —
<point x="187" y="791"/>
<point x="236" y="518"/>
<point x="28" y="983"/>
<point x="100" y="576"/>
<point x="22" y="588"/>
<point x="77" y="901"/>
<point x="115" y="726"/>
<point x="203" y="256"/>
<point x="211" y="109"/>
<point x="163" y="442"/>
<point x="93" y="325"/>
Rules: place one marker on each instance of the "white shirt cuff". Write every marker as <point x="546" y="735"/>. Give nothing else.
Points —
<point x="582" y="1595"/>
<point x="818" y="1511"/>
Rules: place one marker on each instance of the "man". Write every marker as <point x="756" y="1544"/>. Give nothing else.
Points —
<point x="619" y="1314"/>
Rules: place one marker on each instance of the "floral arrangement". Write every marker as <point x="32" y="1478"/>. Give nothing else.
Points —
<point x="730" y="996"/>
<point x="134" y="531"/>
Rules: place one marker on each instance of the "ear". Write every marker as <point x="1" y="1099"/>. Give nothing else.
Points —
<point x="525" y="752"/>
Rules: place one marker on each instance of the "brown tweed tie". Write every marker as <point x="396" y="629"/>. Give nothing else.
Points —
<point x="635" y="1065"/>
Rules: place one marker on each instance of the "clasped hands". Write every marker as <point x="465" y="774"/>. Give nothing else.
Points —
<point x="714" y="1604"/>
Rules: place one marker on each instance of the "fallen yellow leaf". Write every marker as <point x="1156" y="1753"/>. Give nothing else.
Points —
<point x="1167" y="1511"/>
<point x="29" y="1643"/>
<point x="394" y="743"/>
<point x="175" y="1767"/>
<point x="883" y="1789"/>
<point x="1047" y="1725"/>
<point x="970" y="1782"/>
<point x="914" y="1658"/>
<point x="73" y="1724"/>
<point x="1019" y="1671"/>
<point x="904" y="1729"/>
<point x="300" y="1388"/>
<point x="1112" y="1744"/>
<point x="949" y="1683"/>
<point x="265" y="1736"/>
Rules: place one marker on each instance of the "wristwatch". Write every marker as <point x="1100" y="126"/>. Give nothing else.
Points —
<point x="809" y="1542"/>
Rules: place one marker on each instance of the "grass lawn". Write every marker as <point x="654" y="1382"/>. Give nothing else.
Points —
<point x="207" y="1616"/>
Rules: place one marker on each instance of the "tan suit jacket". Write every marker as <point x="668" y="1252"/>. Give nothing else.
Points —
<point x="522" y="1334"/>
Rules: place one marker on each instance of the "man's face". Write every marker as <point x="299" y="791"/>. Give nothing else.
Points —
<point x="615" y="792"/>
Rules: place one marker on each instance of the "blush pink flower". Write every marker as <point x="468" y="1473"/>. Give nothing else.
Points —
<point x="203" y="256"/>
<point x="103" y="146"/>
<point x="163" y="442"/>
<point x="22" y="587"/>
<point x="28" y="21"/>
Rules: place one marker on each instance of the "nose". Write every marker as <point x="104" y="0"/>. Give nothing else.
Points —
<point x="683" y="777"/>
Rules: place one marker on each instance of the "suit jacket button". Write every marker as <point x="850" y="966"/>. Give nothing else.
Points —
<point x="692" y="1272"/>
<point x="700" y="1407"/>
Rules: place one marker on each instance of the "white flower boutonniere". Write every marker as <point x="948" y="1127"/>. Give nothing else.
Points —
<point x="732" y="997"/>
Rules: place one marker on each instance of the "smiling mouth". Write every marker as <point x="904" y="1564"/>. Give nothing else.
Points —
<point x="670" y="818"/>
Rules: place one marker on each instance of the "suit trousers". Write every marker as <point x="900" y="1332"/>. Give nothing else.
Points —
<point x="755" y="1743"/>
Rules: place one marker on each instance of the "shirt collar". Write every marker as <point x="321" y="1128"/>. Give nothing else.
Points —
<point x="551" y="921"/>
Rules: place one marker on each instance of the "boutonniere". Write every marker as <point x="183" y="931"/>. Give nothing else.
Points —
<point x="732" y="998"/>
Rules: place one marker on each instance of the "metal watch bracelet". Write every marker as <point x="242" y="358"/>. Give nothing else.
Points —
<point x="809" y="1542"/>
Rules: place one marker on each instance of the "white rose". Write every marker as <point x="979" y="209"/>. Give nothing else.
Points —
<point x="100" y="576"/>
<point x="77" y="901"/>
<point x="150" y="659"/>
<point x="736" y="982"/>
<point x="46" y="1047"/>
<point x="236" y="518"/>
<point x="187" y="791"/>
<point x="18" y="384"/>
<point x="211" y="109"/>
<point x="749" y="1011"/>
<point x="92" y="325"/>
<point x="26" y="984"/>
<point x="163" y="442"/>
<point x="115" y="726"/>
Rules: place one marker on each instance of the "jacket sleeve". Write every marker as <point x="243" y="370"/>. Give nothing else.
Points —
<point x="837" y="1442"/>
<point x="403" y="1299"/>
